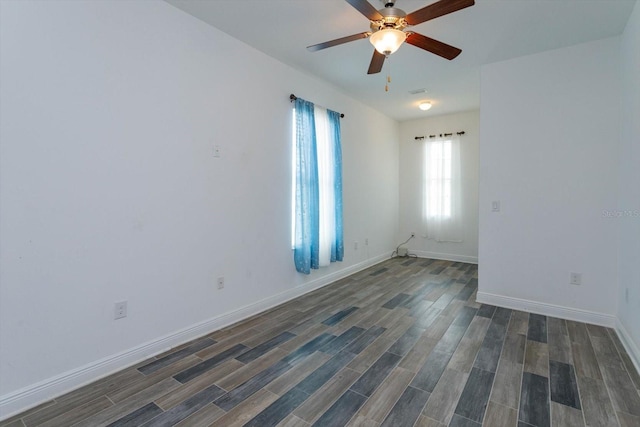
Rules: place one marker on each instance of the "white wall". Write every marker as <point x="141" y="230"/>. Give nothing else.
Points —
<point x="109" y="189"/>
<point x="549" y="153"/>
<point x="411" y="176"/>
<point x="629" y="201"/>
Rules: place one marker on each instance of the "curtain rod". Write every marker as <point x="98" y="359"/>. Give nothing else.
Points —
<point x="292" y="98"/>
<point x="420" y="138"/>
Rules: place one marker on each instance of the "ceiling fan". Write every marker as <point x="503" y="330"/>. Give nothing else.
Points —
<point x="388" y="29"/>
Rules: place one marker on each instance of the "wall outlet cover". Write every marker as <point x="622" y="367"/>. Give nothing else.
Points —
<point x="575" y="279"/>
<point x="119" y="310"/>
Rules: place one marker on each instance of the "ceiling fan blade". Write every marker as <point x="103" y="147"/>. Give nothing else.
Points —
<point x="434" y="10"/>
<point x="365" y="8"/>
<point x="336" y="42"/>
<point x="433" y="46"/>
<point x="376" y="62"/>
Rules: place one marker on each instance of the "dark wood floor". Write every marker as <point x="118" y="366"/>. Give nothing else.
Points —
<point x="403" y="343"/>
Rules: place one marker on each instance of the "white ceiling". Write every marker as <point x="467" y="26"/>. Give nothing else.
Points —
<point x="489" y="31"/>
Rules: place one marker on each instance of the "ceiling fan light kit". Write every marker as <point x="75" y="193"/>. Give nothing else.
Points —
<point x="387" y="41"/>
<point x="388" y="30"/>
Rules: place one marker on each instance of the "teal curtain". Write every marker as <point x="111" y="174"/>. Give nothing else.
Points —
<point x="337" y="246"/>
<point x="307" y="221"/>
<point x="313" y="246"/>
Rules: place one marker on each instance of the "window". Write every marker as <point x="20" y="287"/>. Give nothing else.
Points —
<point x="438" y="168"/>
<point x="442" y="209"/>
<point x="316" y="187"/>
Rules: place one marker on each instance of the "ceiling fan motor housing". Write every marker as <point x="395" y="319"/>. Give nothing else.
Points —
<point x="392" y="18"/>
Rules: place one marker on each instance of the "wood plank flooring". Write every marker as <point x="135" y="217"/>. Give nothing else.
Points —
<point x="401" y="344"/>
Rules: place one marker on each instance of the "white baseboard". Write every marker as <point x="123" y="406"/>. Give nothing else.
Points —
<point x="35" y="394"/>
<point x="629" y="344"/>
<point x="446" y="257"/>
<point x="548" y="309"/>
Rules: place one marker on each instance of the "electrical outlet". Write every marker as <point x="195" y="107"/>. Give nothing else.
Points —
<point x="366" y="241"/>
<point x="575" y="279"/>
<point x="355" y="245"/>
<point x="221" y="282"/>
<point x="119" y="310"/>
<point x="216" y="151"/>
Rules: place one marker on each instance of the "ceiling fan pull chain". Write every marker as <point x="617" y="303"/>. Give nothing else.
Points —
<point x="386" y="86"/>
<point x="386" y="83"/>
